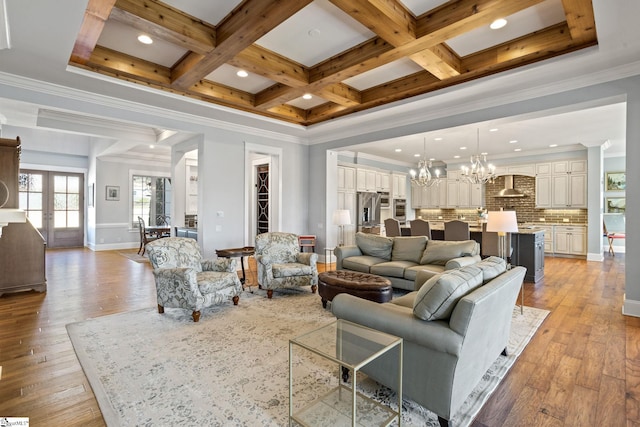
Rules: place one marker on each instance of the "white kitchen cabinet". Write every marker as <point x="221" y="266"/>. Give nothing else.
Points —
<point x="459" y="192"/>
<point x="476" y="195"/>
<point x="365" y="180"/>
<point x="437" y="195"/>
<point x="383" y="182"/>
<point x="561" y="184"/>
<point x="570" y="240"/>
<point x="417" y="199"/>
<point x="399" y="190"/>
<point x="548" y="238"/>
<point x="346" y="179"/>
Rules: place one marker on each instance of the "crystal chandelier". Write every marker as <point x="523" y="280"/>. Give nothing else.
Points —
<point x="423" y="177"/>
<point x="478" y="173"/>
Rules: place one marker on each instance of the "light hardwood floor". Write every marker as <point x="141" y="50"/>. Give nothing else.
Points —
<point x="581" y="369"/>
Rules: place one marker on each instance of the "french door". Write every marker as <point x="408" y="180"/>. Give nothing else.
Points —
<point x="54" y="202"/>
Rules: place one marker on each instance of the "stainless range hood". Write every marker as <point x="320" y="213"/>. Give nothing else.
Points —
<point x="508" y="190"/>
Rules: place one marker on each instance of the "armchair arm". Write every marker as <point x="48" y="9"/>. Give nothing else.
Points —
<point x="307" y="258"/>
<point x="177" y="281"/>
<point x="220" y="264"/>
<point x="265" y="269"/>
<point x="462" y="261"/>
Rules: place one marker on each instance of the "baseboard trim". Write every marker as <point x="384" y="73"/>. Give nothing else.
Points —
<point x="631" y="307"/>
<point x="597" y="257"/>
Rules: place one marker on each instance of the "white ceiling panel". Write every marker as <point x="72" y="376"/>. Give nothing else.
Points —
<point x="210" y="11"/>
<point x="123" y="38"/>
<point x="227" y="76"/>
<point x="532" y="19"/>
<point x="319" y="31"/>
<point x="418" y="7"/>
<point x="391" y="71"/>
<point x="307" y="103"/>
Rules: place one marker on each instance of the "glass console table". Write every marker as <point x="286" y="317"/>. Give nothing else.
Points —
<point x="348" y="346"/>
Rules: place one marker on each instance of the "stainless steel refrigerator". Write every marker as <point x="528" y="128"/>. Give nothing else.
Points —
<point x="368" y="210"/>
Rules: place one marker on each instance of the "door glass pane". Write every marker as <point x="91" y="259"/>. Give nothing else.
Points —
<point x="59" y="202"/>
<point x="60" y="219"/>
<point x="35" y="182"/>
<point x="73" y="219"/>
<point x="73" y="184"/>
<point x="35" y="201"/>
<point x="36" y="218"/>
<point x="22" y="201"/>
<point x="73" y="202"/>
<point x="60" y="184"/>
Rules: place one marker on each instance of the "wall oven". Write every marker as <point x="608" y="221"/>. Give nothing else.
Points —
<point x="384" y="200"/>
<point x="399" y="209"/>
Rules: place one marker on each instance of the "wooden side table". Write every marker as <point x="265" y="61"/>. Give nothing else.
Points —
<point x="307" y="241"/>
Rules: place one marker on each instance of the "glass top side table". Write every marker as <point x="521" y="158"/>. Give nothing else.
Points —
<point x="350" y="346"/>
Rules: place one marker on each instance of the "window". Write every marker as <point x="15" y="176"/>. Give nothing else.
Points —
<point x="151" y="200"/>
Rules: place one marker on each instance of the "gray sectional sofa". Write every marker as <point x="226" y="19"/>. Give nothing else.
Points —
<point x="399" y="259"/>
<point x="454" y="327"/>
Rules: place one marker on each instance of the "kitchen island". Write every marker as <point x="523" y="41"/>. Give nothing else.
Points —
<point x="527" y="248"/>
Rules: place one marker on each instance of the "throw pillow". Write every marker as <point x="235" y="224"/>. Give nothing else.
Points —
<point x="491" y="268"/>
<point x="440" y="294"/>
<point x="374" y="245"/>
<point x="438" y="252"/>
<point x="408" y="248"/>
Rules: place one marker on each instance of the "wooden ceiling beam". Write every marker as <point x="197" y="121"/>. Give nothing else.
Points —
<point x="294" y="114"/>
<point x="439" y="60"/>
<point x="581" y="20"/>
<point x="389" y="19"/>
<point x="119" y="63"/>
<point x="248" y="22"/>
<point x="341" y="94"/>
<point x="263" y="62"/>
<point x="224" y="93"/>
<point x="276" y="95"/>
<point x="95" y="16"/>
<point x="164" y="22"/>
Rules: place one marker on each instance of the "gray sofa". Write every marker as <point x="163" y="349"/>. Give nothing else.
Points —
<point x="453" y="329"/>
<point x="399" y="259"/>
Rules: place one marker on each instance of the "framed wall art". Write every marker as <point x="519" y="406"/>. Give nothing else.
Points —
<point x="615" y="205"/>
<point x="113" y="192"/>
<point x="615" y="181"/>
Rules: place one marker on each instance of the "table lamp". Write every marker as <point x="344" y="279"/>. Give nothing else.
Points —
<point x="341" y="217"/>
<point x="503" y="222"/>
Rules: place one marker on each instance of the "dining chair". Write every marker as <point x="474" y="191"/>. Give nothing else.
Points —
<point x="420" y="227"/>
<point x="145" y="237"/>
<point x="392" y="227"/>
<point x="456" y="230"/>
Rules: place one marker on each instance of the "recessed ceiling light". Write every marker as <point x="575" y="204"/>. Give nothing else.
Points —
<point x="416" y="155"/>
<point x="145" y="39"/>
<point x="152" y="146"/>
<point x="398" y="150"/>
<point x="314" y="32"/>
<point x="437" y="139"/>
<point x="513" y="141"/>
<point x="242" y="73"/>
<point x="493" y="130"/>
<point x="484" y="154"/>
<point x="432" y="159"/>
<point x="456" y="157"/>
<point x="307" y="96"/>
<point x="463" y="148"/>
<point x="518" y="149"/>
<point x="498" y="23"/>
<point x="553" y="145"/>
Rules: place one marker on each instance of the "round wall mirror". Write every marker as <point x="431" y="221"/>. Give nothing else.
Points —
<point x="4" y="194"/>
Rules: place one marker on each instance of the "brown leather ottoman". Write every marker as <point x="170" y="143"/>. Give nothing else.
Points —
<point x="363" y="285"/>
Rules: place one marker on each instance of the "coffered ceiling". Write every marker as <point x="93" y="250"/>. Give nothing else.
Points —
<point x="349" y="55"/>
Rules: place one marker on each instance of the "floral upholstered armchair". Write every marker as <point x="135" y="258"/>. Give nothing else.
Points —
<point x="185" y="280"/>
<point x="282" y="265"/>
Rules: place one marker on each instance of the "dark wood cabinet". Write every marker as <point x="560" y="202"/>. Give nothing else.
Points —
<point x="529" y="252"/>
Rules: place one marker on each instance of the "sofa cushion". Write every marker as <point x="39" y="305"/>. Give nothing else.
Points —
<point x="437" y="298"/>
<point x="374" y="245"/>
<point x="408" y="248"/>
<point x="491" y="268"/>
<point x="405" y="300"/>
<point x="391" y="268"/>
<point x="440" y="251"/>
<point x="430" y="271"/>
<point x="361" y="263"/>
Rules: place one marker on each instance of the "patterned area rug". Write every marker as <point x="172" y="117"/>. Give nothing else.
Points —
<point x="231" y="368"/>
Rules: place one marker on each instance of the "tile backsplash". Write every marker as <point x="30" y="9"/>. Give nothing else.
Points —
<point x="524" y="206"/>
